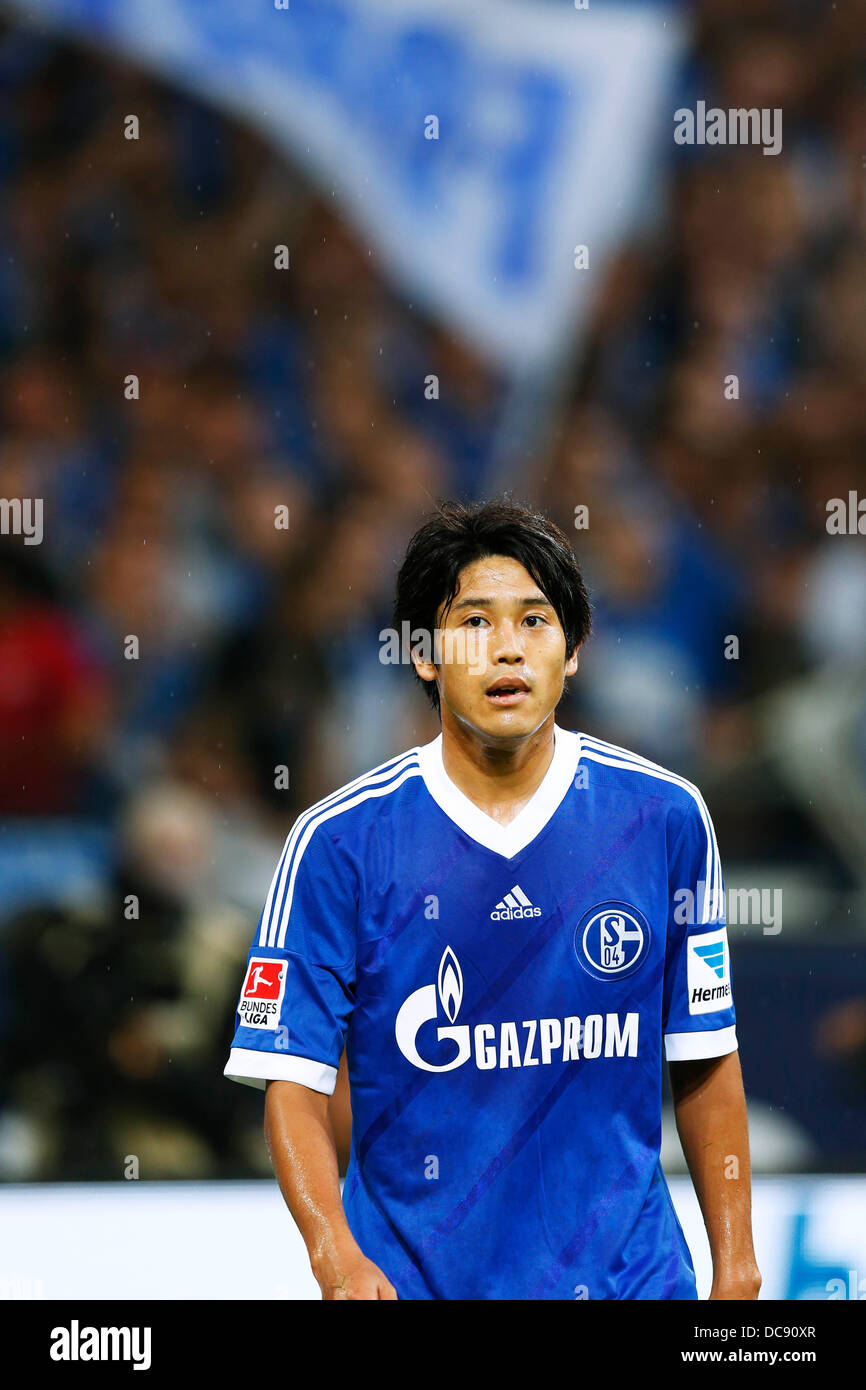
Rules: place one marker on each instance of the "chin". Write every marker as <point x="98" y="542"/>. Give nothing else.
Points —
<point x="505" y="723"/>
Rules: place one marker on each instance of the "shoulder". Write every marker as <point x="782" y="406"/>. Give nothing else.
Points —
<point x="627" y="772"/>
<point x="351" y="808"/>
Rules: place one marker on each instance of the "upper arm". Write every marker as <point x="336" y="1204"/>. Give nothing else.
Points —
<point x="698" y="1009"/>
<point x="298" y="991"/>
<point x="689" y="1076"/>
<point x="281" y="1096"/>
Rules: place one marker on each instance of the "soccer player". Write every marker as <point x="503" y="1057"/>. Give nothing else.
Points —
<point x="507" y="926"/>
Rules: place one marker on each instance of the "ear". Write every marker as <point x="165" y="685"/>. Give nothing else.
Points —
<point x="426" y="669"/>
<point x="571" y="663"/>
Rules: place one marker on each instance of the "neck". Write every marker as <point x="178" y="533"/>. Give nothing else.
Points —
<point x="499" y="775"/>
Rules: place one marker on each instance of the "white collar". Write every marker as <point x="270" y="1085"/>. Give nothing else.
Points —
<point x="510" y="839"/>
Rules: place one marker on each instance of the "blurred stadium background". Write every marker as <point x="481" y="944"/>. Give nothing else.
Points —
<point x="304" y="388"/>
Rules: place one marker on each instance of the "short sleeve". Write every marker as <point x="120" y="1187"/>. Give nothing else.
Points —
<point x="698" y="1017"/>
<point x="297" y="994"/>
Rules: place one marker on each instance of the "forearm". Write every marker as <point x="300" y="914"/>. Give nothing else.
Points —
<point x="301" y="1144"/>
<point x="710" y="1109"/>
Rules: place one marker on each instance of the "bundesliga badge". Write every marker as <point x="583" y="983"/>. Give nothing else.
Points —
<point x="612" y="940"/>
<point x="262" y="994"/>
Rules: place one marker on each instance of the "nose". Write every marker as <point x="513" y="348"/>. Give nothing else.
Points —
<point x="506" y="643"/>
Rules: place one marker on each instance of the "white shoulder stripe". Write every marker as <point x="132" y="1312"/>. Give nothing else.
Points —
<point x="387" y="769"/>
<point x="372" y="778"/>
<point x="712" y="902"/>
<point x="278" y="927"/>
<point x="603" y="746"/>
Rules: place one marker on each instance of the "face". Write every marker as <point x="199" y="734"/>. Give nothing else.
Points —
<point x="503" y="652"/>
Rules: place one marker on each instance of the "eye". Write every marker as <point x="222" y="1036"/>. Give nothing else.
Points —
<point x="476" y="617"/>
<point x="535" y="618"/>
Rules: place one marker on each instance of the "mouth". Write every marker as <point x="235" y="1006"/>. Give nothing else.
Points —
<point x="507" y="691"/>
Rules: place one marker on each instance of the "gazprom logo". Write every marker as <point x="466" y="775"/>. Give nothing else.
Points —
<point x="450" y="984"/>
<point x="532" y="1042"/>
<point x="423" y="1005"/>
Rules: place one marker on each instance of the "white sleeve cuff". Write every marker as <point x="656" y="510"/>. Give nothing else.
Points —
<point x="253" y="1068"/>
<point x="688" y="1047"/>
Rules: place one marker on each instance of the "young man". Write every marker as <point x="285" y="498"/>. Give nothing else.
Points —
<point x="507" y="926"/>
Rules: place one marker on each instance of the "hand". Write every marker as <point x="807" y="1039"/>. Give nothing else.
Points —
<point x="355" y="1278"/>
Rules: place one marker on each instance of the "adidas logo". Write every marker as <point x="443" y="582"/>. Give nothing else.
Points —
<point x="514" y="904"/>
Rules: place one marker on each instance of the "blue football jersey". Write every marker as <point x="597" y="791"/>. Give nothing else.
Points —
<point x="507" y="995"/>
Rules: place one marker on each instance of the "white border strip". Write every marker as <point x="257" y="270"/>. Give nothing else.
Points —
<point x="688" y="1047"/>
<point x="253" y="1068"/>
<point x="505" y="840"/>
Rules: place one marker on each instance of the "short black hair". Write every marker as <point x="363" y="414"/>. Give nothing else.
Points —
<point x="457" y="534"/>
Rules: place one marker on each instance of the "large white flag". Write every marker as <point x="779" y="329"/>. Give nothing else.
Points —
<point x="479" y="144"/>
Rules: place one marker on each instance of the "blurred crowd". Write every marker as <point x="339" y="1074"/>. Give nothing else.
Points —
<point x="180" y="676"/>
